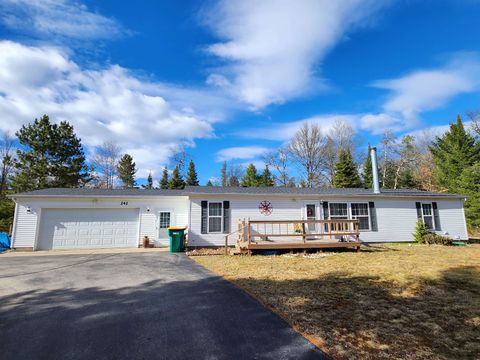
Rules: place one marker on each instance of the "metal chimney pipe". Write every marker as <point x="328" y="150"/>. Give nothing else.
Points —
<point x="376" y="183"/>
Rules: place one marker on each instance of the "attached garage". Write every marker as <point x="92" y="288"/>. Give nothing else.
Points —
<point x="88" y="228"/>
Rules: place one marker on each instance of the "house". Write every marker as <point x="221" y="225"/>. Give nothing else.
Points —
<point x="99" y="218"/>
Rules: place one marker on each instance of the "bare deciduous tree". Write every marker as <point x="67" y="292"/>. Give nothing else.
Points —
<point x="180" y="156"/>
<point x="105" y="163"/>
<point x="424" y="167"/>
<point x="388" y="150"/>
<point x="234" y="174"/>
<point x="474" y="117"/>
<point x="6" y="161"/>
<point x="306" y="149"/>
<point x="344" y="136"/>
<point x="279" y="160"/>
<point x="408" y="156"/>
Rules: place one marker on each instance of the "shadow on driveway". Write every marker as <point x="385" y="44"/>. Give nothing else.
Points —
<point x="135" y="306"/>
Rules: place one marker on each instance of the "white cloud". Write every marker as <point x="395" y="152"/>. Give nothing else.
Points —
<point x="377" y="123"/>
<point x="241" y="152"/>
<point x="58" y="19"/>
<point x="108" y="104"/>
<point x="271" y="47"/>
<point x="425" y="90"/>
<point x="259" y="165"/>
<point x="285" y="131"/>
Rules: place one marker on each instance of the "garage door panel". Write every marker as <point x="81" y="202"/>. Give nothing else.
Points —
<point x="87" y="228"/>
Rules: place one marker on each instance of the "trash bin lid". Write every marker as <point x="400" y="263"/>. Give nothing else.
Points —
<point x="176" y="228"/>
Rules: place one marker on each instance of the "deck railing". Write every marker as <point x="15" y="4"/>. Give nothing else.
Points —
<point x="301" y="232"/>
<point x="304" y="230"/>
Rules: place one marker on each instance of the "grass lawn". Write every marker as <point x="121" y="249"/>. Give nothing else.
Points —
<point x="408" y="302"/>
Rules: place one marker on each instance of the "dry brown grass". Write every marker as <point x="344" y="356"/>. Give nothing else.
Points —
<point x="408" y="302"/>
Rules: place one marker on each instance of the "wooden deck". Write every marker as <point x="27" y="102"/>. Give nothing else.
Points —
<point x="254" y="235"/>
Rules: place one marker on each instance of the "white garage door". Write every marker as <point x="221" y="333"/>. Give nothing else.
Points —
<point x="88" y="228"/>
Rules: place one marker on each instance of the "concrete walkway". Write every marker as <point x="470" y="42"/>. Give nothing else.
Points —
<point x="143" y="305"/>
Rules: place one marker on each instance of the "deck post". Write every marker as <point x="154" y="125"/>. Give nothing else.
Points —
<point x="303" y="233"/>
<point x="249" y="231"/>
<point x="226" y="244"/>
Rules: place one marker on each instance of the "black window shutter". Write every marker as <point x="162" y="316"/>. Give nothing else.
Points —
<point x="226" y="217"/>
<point x="419" y="210"/>
<point x="373" y="216"/>
<point x="436" y="215"/>
<point x="326" y="215"/>
<point x="325" y="210"/>
<point x="204" y="217"/>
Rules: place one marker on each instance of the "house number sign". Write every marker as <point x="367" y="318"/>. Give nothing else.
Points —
<point x="124" y="203"/>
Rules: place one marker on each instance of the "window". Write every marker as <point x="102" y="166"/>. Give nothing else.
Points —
<point x="215" y="215"/>
<point x="338" y="211"/>
<point x="360" y="212"/>
<point x="427" y="215"/>
<point x="164" y="222"/>
<point x="354" y="211"/>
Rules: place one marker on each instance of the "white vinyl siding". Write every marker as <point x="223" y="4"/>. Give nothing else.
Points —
<point x="396" y="217"/>
<point x="25" y="227"/>
<point x="26" y="223"/>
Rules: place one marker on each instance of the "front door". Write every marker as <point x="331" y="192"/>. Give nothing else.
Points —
<point x="164" y="223"/>
<point x="311" y="213"/>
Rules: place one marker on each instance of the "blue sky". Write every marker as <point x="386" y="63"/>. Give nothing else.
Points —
<point x="229" y="80"/>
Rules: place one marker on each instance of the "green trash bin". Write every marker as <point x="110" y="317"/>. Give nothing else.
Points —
<point x="176" y="235"/>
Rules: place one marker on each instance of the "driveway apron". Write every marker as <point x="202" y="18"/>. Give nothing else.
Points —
<point x="134" y="306"/>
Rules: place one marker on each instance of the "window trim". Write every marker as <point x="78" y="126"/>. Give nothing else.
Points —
<point x="369" y="222"/>
<point x="349" y="212"/>
<point x="215" y="216"/>
<point x="432" y="215"/>
<point x="339" y="216"/>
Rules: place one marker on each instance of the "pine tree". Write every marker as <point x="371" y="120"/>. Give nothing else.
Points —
<point x="420" y="231"/>
<point x="452" y="153"/>
<point x="224" y="174"/>
<point x="149" y="184"/>
<point x="176" y="182"/>
<point x="469" y="184"/>
<point x="345" y="173"/>
<point x="209" y="183"/>
<point x="250" y="178"/>
<point x="51" y="156"/>
<point x="126" y="171"/>
<point x="368" y="172"/>
<point x="164" y="182"/>
<point x="266" y="179"/>
<point x="192" y="178"/>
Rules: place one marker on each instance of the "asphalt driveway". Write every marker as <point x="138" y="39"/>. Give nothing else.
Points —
<point x="134" y="306"/>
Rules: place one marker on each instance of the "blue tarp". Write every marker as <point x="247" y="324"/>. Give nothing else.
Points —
<point x="4" y="241"/>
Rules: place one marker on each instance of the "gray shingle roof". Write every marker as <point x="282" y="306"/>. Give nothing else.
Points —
<point x="68" y="192"/>
<point x="218" y="190"/>
<point x="310" y="191"/>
